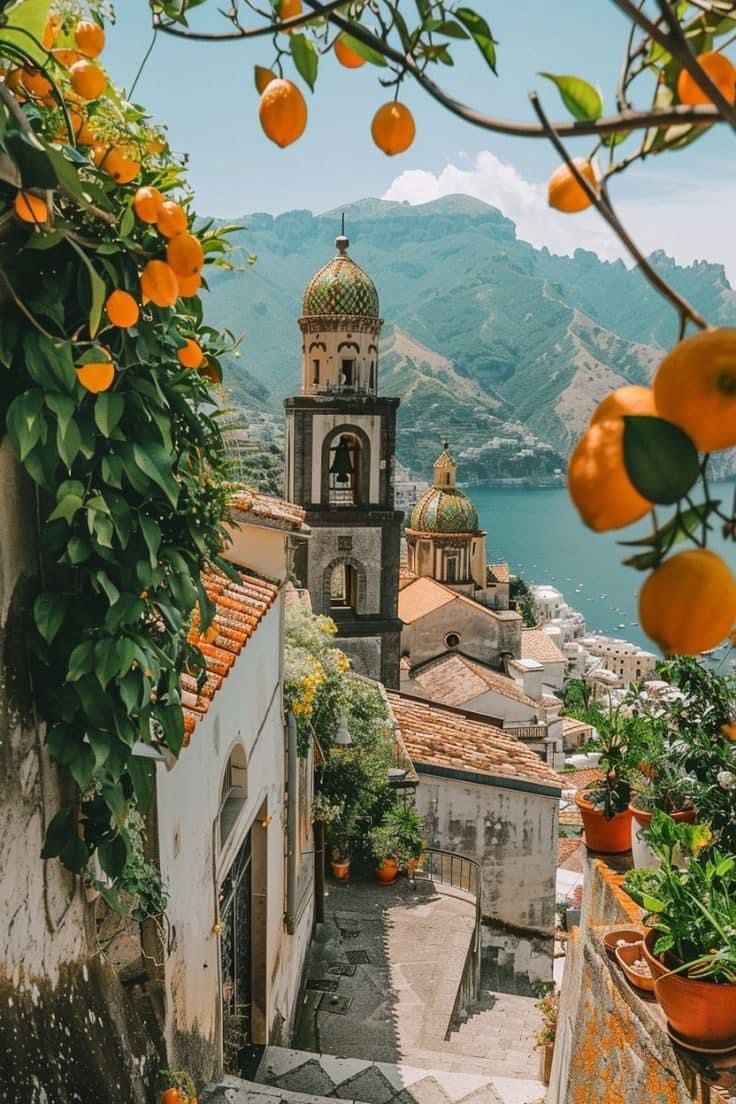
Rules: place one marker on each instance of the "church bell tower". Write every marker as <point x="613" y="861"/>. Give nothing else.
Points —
<point x="340" y="446"/>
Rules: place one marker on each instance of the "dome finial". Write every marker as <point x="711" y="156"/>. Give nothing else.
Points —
<point x="342" y="242"/>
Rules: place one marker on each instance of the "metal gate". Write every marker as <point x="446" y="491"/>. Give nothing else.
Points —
<point x="235" y="917"/>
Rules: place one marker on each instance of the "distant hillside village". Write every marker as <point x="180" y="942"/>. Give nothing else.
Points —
<point x="454" y="702"/>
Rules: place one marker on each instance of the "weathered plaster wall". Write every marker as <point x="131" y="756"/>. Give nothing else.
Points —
<point x="246" y="710"/>
<point x="482" y="636"/>
<point x="611" y="1046"/>
<point x="365" y="548"/>
<point x="512" y="834"/>
<point x="67" y="1029"/>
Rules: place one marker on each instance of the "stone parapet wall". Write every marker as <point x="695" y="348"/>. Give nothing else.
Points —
<point x="612" y="1046"/>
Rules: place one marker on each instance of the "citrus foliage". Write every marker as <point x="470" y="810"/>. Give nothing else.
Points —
<point x="121" y="442"/>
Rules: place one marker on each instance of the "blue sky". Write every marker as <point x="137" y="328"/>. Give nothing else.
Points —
<point x="206" y="96"/>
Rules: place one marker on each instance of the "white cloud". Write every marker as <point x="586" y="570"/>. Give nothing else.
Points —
<point x="661" y="221"/>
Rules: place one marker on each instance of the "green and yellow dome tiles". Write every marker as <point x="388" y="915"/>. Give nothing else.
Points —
<point x="444" y="510"/>
<point x="341" y="287"/>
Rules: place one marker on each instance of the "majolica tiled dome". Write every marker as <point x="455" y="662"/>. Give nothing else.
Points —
<point x="444" y="510"/>
<point x="341" y="287"/>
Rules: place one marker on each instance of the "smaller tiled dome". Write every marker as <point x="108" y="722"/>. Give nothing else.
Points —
<point x="445" y="510"/>
<point x="341" y="287"/>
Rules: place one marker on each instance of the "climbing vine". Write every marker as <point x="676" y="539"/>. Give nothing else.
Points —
<point x="120" y="439"/>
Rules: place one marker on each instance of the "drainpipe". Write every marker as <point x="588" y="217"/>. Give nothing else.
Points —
<point x="291" y="821"/>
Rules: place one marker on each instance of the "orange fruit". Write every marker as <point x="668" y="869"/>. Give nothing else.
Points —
<point x="346" y="55"/>
<point x="117" y="164"/>
<point x="147" y="204"/>
<point x="156" y="145"/>
<point x="282" y="112"/>
<point x="597" y="480"/>
<point x="720" y="70"/>
<point x="97" y="375"/>
<point x="191" y="356"/>
<point x="289" y="9"/>
<point x="31" y="208"/>
<point x="172" y="219"/>
<point x="189" y="285"/>
<point x="564" y="193"/>
<point x="88" y="80"/>
<point x="67" y="57"/>
<point x="185" y="255"/>
<point x="89" y="37"/>
<point x="263" y="78"/>
<point x="695" y="387"/>
<point x="36" y="83"/>
<point x="122" y="309"/>
<point x="393" y="128"/>
<point x="84" y="133"/>
<point x="171" y="1096"/>
<point x="688" y="603"/>
<point x="158" y="283"/>
<point x="51" y="31"/>
<point x="631" y="399"/>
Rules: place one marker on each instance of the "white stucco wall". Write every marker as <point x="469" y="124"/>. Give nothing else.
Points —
<point x="247" y="709"/>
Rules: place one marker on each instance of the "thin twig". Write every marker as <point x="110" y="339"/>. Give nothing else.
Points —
<point x="142" y="65"/>
<point x="601" y="202"/>
<point x="285" y="25"/>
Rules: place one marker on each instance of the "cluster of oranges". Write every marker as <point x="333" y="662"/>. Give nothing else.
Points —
<point x="564" y="190"/>
<point x="163" y="280"/>
<point x="688" y="603"/>
<point x="283" y="111"/>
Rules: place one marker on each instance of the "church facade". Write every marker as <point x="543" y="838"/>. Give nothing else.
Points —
<point x="340" y="454"/>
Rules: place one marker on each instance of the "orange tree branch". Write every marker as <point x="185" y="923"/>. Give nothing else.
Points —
<point x="271" y="27"/>
<point x="599" y="199"/>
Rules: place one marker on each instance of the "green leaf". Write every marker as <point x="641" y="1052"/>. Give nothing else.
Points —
<point x="49" y="611"/>
<point x="151" y="535"/>
<point x="366" y="52"/>
<point x="81" y="661"/>
<point x="113" y="856"/>
<point x="261" y="75"/>
<point x="78" y="550"/>
<point x="127" y="611"/>
<point x="171" y="719"/>
<point x="66" y="509"/>
<point x="306" y="58"/>
<point x="68" y="442"/>
<point x="97" y="291"/>
<point x="581" y="99"/>
<point x="63" y="407"/>
<point x="450" y="28"/>
<point x="110" y="897"/>
<point x="661" y="460"/>
<point x="643" y="561"/>
<point x="155" y="462"/>
<point x="106" y="661"/>
<point x="109" y="409"/>
<point x="677" y="529"/>
<point x="143" y="776"/>
<point x="108" y="586"/>
<point x="61" y="827"/>
<point x="24" y="421"/>
<point x="82" y="766"/>
<point x="480" y="32"/>
<point x="127" y="222"/>
<point x="31" y="16"/>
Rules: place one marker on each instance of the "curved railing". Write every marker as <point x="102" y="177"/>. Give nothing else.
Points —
<point x="460" y="872"/>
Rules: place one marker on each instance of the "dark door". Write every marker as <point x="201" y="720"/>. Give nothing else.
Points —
<point x="235" y="950"/>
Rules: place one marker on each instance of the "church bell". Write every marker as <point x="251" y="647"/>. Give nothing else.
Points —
<point x="342" y="466"/>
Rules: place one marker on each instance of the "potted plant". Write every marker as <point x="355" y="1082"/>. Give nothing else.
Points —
<point x="604" y="803"/>
<point x="690" y="904"/>
<point x="668" y="790"/>
<point x="339" y="828"/>
<point x="549" y="1006"/>
<point x="385" y="845"/>
<point x="397" y="842"/>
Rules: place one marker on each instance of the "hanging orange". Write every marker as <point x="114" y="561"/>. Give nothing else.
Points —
<point x="51" y="31"/>
<point x="36" y="83"/>
<point x="89" y="37"/>
<point x="88" y="80"/>
<point x="122" y="168"/>
<point x="147" y="204"/>
<point x="688" y="603"/>
<point x="189" y="285"/>
<point x="695" y="387"/>
<point x="158" y="283"/>
<point x="631" y="399"/>
<point x="122" y="309"/>
<point x="282" y="112"/>
<point x="84" y="133"/>
<point x="289" y="9"/>
<point x="156" y="145"/>
<point x="67" y="57"/>
<point x="185" y="255"/>
<point x="564" y="191"/>
<point x="721" y="71"/>
<point x="598" y="482"/>
<point x="346" y="55"/>
<point x="172" y="219"/>
<point x="98" y="375"/>
<point x="393" y="128"/>
<point x="191" y="355"/>
<point x="31" y="208"/>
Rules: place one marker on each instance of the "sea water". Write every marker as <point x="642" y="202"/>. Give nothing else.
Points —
<point x="538" y="532"/>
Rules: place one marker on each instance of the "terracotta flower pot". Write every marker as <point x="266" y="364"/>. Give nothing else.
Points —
<point x="340" y="869"/>
<point x="609" y="837"/>
<point x="387" y="871"/>
<point x="641" y="819"/>
<point x="702" y="1013"/>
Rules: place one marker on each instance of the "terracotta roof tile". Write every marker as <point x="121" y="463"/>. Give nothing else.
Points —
<point x="268" y="508"/>
<point x="571" y="854"/>
<point x="499" y="571"/>
<point x="570" y="817"/>
<point x="240" y="608"/>
<point x="437" y="736"/>
<point x="422" y="596"/>
<point x="579" y="779"/>
<point x="454" y="679"/>
<point x="539" y="645"/>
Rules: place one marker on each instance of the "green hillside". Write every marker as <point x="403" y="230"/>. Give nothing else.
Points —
<point x="487" y="339"/>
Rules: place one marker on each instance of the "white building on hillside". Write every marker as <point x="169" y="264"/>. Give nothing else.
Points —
<point x="630" y="662"/>
<point x="551" y="609"/>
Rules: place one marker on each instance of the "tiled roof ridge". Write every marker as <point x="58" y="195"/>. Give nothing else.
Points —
<point x="268" y="508"/>
<point x="495" y="680"/>
<point x="240" y="608"/>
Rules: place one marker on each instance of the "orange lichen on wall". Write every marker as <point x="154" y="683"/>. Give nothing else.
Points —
<point x="612" y="883"/>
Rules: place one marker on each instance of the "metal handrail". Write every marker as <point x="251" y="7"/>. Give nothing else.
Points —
<point x="460" y="872"/>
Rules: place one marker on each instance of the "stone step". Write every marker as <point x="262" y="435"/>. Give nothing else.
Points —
<point x="234" y="1090"/>
<point x="327" y="1076"/>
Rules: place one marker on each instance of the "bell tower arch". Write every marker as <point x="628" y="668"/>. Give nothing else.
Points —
<point x="340" y="448"/>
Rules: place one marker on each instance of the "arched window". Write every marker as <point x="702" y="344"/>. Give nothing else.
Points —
<point x="451" y="565"/>
<point x="233" y="792"/>
<point x="344" y="470"/>
<point x="344" y="587"/>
